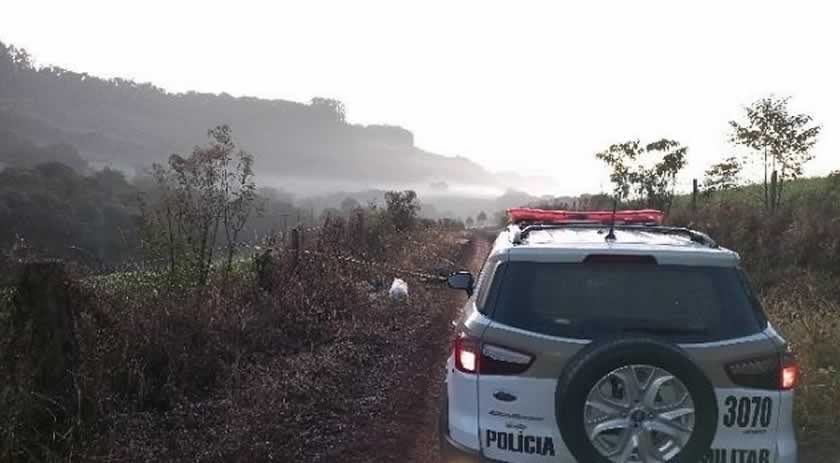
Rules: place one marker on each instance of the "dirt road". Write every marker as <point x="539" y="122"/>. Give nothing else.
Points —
<point x="406" y="429"/>
<point x="424" y="448"/>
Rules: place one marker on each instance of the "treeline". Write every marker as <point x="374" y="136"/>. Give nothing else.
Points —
<point x="52" y="204"/>
<point x="185" y="214"/>
<point x="771" y="145"/>
<point x="54" y="210"/>
<point x="769" y="138"/>
<point x="16" y="151"/>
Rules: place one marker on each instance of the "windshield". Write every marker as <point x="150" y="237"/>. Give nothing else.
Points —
<point x="591" y="300"/>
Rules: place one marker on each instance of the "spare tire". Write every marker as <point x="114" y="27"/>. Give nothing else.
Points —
<point x="635" y="395"/>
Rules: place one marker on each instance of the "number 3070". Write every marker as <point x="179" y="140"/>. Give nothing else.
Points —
<point x="748" y="412"/>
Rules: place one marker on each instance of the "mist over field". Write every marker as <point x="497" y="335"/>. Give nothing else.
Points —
<point x="308" y="149"/>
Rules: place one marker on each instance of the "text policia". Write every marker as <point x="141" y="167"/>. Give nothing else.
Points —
<point x="520" y="443"/>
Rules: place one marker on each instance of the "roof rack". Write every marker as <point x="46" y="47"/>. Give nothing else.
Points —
<point x="521" y="215"/>
<point x="526" y="220"/>
<point x="518" y="234"/>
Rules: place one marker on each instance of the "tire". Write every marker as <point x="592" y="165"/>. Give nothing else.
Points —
<point x="600" y="358"/>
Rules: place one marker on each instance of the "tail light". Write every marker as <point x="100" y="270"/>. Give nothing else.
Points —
<point x="789" y="378"/>
<point x="466" y="353"/>
<point x="770" y="372"/>
<point x="473" y="356"/>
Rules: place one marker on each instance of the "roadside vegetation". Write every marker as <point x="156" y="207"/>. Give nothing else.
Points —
<point x="793" y="257"/>
<point x="219" y="347"/>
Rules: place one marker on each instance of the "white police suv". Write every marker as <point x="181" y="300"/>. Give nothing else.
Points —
<point x="606" y="337"/>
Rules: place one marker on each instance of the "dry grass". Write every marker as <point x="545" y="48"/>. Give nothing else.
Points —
<point x="231" y="372"/>
<point x="810" y="322"/>
<point x="793" y="256"/>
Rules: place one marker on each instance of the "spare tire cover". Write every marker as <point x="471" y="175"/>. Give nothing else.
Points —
<point x="601" y="358"/>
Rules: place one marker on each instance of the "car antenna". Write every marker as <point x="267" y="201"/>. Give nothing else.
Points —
<point x="611" y="235"/>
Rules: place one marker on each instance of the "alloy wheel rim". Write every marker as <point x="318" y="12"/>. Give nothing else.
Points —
<point x="639" y="413"/>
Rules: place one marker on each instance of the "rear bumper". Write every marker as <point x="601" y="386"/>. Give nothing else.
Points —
<point x="450" y="450"/>
<point x="453" y="452"/>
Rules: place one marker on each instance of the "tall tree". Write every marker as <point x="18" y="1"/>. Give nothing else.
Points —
<point x="204" y="199"/>
<point x="782" y="141"/>
<point x="645" y="172"/>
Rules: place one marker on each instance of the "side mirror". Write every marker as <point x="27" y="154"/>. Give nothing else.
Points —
<point x="461" y="280"/>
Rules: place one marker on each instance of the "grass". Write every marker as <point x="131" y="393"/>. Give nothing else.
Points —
<point x="793" y="257"/>
<point x="802" y="310"/>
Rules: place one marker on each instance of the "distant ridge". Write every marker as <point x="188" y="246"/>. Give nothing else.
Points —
<point x="131" y="125"/>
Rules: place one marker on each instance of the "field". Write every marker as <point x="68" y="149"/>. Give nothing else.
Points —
<point x="273" y="361"/>
<point x="793" y="257"/>
<point x="298" y="354"/>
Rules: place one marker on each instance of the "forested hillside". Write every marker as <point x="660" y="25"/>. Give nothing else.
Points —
<point x="131" y="125"/>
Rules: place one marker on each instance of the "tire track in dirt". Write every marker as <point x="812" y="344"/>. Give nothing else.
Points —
<point x="422" y="445"/>
<point x="403" y="426"/>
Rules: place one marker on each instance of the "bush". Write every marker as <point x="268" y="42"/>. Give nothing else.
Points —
<point x="803" y="233"/>
<point x="402" y="208"/>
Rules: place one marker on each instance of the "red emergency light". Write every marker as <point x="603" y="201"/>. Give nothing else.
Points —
<point x="639" y="216"/>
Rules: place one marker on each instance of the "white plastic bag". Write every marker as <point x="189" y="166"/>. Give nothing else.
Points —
<point x="398" y="291"/>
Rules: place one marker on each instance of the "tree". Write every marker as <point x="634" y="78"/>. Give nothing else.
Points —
<point x="781" y="140"/>
<point x="723" y="176"/>
<point x="645" y="172"/>
<point x="469" y="222"/>
<point x="332" y="109"/>
<point x="62" y="213"/>
<point x="203" y="199"/>
<point x="402" y="209"/>
<point x="481" y="218"/>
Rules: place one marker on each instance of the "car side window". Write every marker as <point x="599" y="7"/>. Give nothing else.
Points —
<point x="753" y="297"/>
<point x="483" y="283"/>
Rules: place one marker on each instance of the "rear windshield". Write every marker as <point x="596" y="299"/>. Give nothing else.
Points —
<point x="686" y="303"/>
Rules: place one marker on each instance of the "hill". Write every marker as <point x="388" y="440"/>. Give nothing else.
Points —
<point x="130" y="125"/>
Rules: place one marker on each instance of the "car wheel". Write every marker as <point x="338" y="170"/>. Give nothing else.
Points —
<point x="635" y="400"/>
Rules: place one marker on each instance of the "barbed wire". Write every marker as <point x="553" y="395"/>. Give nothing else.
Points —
<point x="362" y="262"/>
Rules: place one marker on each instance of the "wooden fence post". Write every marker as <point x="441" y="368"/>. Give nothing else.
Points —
<point x="266" y="264"/>
<point x="694" y="191"/>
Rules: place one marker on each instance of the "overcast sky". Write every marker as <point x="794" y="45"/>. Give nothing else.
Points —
<point x="535" y="87"/>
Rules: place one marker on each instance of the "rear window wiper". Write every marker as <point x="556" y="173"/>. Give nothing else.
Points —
<point x="626" y="325"/>
<point x="663" y="329"/>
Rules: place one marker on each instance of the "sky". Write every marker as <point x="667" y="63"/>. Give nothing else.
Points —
<point x="529" y="86"/>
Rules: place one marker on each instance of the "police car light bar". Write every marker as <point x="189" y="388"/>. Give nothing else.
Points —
<point x="525" y="215"/>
